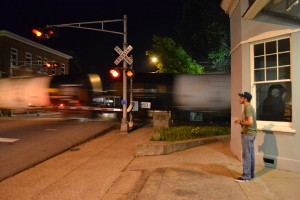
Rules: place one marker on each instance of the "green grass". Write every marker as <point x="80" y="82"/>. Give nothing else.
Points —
<point x="188" y="132"/>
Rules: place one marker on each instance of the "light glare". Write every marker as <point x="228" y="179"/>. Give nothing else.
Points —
<point x="154" y="59"/>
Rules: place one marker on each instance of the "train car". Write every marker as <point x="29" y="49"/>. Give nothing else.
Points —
<point x="17" y="93"/>
<point x="204" y="92"/>
<point x="187" y="97"/>
<point x="36" y="92"/>
<point x="156" y="89"/>
<point x="204" y="97"/>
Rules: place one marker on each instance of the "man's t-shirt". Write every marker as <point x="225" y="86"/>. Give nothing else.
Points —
<point x="249" y="112"/>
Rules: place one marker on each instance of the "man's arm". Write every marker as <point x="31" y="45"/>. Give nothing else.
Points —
<point x="247" y="122"/>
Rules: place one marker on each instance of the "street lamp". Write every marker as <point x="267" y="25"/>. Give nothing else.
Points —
<point x="154" y="59"/>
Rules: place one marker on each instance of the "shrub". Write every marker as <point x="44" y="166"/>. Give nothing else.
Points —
<point x="188" y="132"/>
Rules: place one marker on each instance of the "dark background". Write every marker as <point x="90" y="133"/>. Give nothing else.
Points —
<point x="95" y="50"/>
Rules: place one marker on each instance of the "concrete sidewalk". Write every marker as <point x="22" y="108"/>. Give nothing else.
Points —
<point x="209" y="172"/>
<point x="107" y="168"/>
<point x="204" y="172"/>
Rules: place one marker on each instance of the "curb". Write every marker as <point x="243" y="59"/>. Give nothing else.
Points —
<point x="162" y="148"/>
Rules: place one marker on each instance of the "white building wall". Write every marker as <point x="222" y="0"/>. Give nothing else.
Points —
<point x="284" y="146"/>
<point x="236" y="72"/>
<point x="281" y="145"/>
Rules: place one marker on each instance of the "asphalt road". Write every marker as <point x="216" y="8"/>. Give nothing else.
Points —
<point x="27" y="142"/>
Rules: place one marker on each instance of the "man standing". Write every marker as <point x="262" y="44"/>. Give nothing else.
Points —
<point x="248" y="124"/>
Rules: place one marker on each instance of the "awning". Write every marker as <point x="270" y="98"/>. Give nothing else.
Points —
<point x="287" y="9"/>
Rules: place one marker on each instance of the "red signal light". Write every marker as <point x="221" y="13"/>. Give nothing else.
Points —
<point x="45" y="33"/>
<point x="51" y="64"/>
<point x="115" y="73"/>
<point x="129" y="73"/>
<point x="50" y="32"/>
<point x="38" y="33"/>
<point x="47" y="64"/>
<point x="55" y="64"/>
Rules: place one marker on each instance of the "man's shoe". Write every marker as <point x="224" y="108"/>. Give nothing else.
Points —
<point x="241" y="179"/>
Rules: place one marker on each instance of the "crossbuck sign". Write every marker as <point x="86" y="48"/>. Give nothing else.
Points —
<point x="123" y="55"/>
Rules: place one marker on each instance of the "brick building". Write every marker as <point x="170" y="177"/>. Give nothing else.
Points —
<point x="22" y="57"/>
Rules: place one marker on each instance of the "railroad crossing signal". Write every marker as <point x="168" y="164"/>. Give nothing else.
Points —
<point x="129" y="73"/>
<point x="44" y="33"/>
<point x="123" y="55"/>
<point x="115" y="73"/>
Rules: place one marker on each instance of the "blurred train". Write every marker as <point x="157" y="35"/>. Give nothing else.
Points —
<point x="27" y="93"/>
<point x="204" y="97"/>
<point x="188" y="97"/>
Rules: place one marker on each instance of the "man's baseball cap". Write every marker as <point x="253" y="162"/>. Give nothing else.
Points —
<point x="246" y="95"/>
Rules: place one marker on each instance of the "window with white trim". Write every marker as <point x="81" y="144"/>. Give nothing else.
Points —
<point x="53" y="68"/>
<point x="45" y="69"/>
<point x="28" y="59"/>
<point x="39" y="60"/>
<point x="13" y="57"/>
<point x="62" y="68"/>
<point x="272" y="80"/>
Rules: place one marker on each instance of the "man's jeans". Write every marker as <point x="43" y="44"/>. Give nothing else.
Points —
<point x="248" y="156"/>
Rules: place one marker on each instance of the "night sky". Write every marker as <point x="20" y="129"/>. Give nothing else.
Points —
<point x="95" y="50"/>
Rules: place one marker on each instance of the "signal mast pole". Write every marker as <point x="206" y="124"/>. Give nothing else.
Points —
<point x="124" y="124"/>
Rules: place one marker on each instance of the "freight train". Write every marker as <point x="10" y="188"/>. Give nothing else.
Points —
<point x="27" y="93"/>
<point x="187" y="97"/>
<point x="203" y="97"/>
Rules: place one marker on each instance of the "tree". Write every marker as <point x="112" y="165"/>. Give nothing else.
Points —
<point x="204" y="32"/>
<point x="220" y="59"/>
<point x="171" y="57"/>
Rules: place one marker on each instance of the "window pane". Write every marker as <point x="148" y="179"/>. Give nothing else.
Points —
<point x="14" y="57"/>
<point x="62" y="69"/>
<point x="273" y="102"/>
<point x="39" y="60"/>
<point x="284" y="59"/>
<point x="271" y="74"/>
<point x="28" y="59"/>
<point x="271" y="61"/>
<point x="259" y="75"/>
<point x="284" y="45"/>
<point x="259" y="49"/>
<point x="271" y="47"/>
<point x="259" y="62"/>
<point x="284" y="73"/>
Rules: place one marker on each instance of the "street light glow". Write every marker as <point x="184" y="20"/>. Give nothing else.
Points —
<point x="154" y="59"/>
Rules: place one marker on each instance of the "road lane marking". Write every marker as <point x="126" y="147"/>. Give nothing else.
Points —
<point x="8" y="140"/>
<point x="50" y="129"/>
